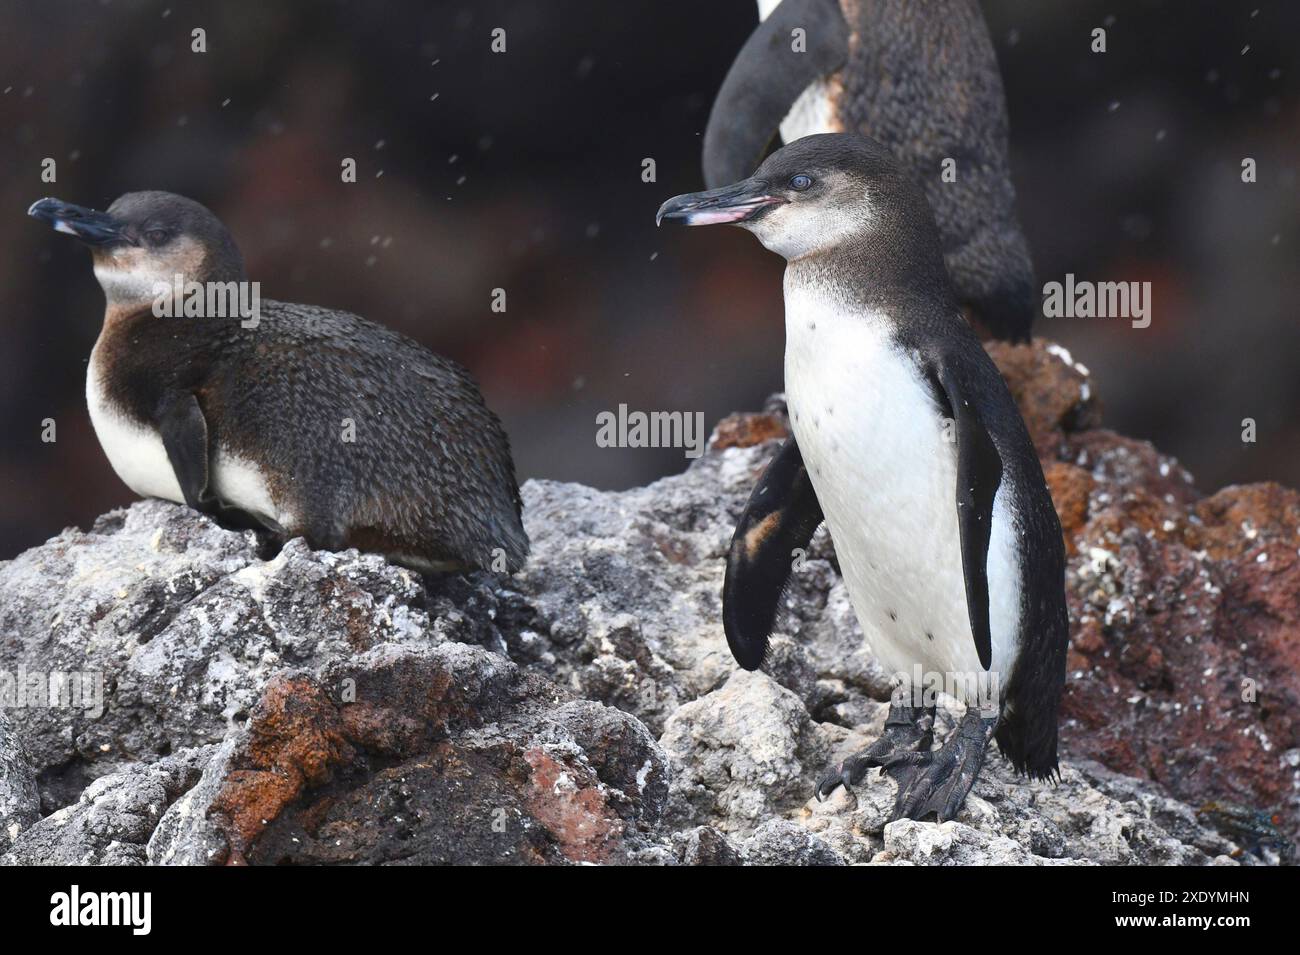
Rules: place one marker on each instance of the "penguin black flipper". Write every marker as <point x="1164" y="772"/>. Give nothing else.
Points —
<point x="183" y="429"/>
<point x="763" y="83"/>
<point x="782" y="515"/>
<point x="979" y="474"/>
<point x="184" y="433"/>
<point x="1026" y="730"/>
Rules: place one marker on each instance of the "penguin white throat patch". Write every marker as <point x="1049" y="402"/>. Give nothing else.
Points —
<point x="873" y="439"/>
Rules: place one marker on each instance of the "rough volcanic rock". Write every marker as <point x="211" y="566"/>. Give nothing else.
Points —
<point x="112" y="820"/>
<point x="332" y="708"/>
<point x="704" y="845"/>
<point x="744" y="757"/>
<point x="746" y="429"/>
<point x="742" y="753"/>
<point x="20" y="803"/>
<point x="428" y="756"/>
<point x="627" y="589"/>
<point x="181" y="624"/>
<point x="784" y="842"/>
<point x="1053" y="392"/>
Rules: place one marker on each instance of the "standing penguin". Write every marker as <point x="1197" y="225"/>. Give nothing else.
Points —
<point x="305" y="421"/>
<point x="921" y="78"/>
<point x="908" y="444"/>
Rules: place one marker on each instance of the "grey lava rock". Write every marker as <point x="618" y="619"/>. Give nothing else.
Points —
<point x="113" y="819"/>
<point x="332" y="708"/>
<point x="20" y="803"/>
<point x="704" y="845"/>
<point x="180" y="624"/>
<point x="782" y="842"/>
<point x="741" y="754"/>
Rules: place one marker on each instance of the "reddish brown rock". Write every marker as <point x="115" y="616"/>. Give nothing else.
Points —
<point x="428" y="756"/>
<point x="1240" y="518"/>
<point x="1070" y="486"/>
<point x="1130" y="465"/>
<point x="746" y="430"/>
<point x="577" y="816"/>
<point x="1053" y="391"/>
<point x="295" y="740"/>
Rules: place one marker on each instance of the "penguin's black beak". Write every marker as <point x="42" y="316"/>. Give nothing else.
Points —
<point x="736" y="203"/>
<point x="91" y="227"/>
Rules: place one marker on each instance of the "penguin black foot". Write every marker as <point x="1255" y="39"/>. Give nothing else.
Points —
<point x="909" y="730"/>
<point x="938" y="782"/>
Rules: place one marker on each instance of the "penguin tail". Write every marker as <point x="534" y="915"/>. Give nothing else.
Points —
<point x="510" y="542"/>
<point x="1030" y="743"/>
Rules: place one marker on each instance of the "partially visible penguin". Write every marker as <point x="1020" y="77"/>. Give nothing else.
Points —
<point x="303" y="420"/>
<point x="908" y="444"/>
<point x="919" y="76"/>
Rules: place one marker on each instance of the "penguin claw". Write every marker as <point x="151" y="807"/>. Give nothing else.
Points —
<point x="892" y="749"/>
<point x="882" y="754"/>
<point x="831" y="779"/>
<point x="939" y="782"/>
<point x="851" y="771"/>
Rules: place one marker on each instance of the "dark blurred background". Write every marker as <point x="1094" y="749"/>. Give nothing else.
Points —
<point x="523" y="171"/>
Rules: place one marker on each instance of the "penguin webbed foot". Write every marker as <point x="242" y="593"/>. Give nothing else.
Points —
<point x="909" y="731"/>
<point x="939" y="782"/>
<point x="270" y="535"/>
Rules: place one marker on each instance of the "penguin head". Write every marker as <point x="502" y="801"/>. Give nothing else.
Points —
<point x="145" y="240"/>
<point x="813" y="196"/>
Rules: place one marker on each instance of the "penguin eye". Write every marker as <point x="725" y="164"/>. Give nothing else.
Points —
<point x="157" y="236"/>
<point x="800" y="183"/>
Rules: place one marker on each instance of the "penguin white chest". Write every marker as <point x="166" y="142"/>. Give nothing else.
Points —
<point x="136" y="452"/>
<point x="139" y="458"/>
<point x="883" y="462"/>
